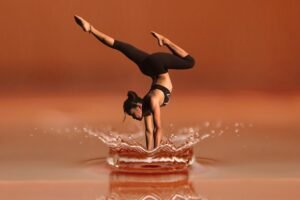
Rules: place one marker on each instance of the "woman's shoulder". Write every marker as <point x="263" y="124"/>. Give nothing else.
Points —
<point x="151" y="101"/>
<point x="150" y="97"/>
<point x="146" y="108"/>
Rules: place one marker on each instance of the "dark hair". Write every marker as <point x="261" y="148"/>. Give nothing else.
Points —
<point x="131" y="101"/>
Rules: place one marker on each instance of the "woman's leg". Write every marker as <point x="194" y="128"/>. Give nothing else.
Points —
<point x="105" y="39"/>
<point x="162" y="40"/>
<point x="133" y="53"/>
<point x="130" y="51"/>
<point x="87" y="27"/>
<point x="180" y="58"/>
<point x="171" y="61"/>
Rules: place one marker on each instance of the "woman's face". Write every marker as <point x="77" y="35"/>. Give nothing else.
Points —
<point x="136" y="113"/>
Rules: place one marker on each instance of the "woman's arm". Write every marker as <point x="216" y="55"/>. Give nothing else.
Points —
<point x="149" y="131"/>
<point x="157" y="122"/>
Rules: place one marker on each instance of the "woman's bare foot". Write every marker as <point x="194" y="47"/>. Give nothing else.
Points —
<point x="84" y="24"/>
<point x="161" y="39"/>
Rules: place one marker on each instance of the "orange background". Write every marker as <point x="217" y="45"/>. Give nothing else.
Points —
<point x="238" y="45"/>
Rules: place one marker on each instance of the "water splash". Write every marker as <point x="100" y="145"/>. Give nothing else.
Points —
<point x="127" y="152"/>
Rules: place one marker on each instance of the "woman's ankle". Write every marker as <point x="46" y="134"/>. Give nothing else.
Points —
<point x="166" y="41"/>
<point x="91" y="29"/>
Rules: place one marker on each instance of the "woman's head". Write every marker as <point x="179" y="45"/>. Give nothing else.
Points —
<point x="133" y="105"/>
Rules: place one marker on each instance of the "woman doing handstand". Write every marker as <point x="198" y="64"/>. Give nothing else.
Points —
<point x="156" y="66"/>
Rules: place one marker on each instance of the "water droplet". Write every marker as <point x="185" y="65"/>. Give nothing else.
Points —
<point x="219" y="123"/>
<point x="204" y="136"/>
<point x="221" y="132"/>
<point x="206" y="124"/>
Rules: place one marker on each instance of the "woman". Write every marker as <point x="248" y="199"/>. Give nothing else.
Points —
<point x="156" y="66"/>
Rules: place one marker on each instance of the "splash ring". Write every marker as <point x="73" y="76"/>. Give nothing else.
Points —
<point x="175" y="154"/>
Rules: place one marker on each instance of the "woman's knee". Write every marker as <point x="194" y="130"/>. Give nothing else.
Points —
<point x="190" y="61"/>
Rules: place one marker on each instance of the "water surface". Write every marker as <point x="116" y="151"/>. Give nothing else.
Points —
<point x="248" y="148"/>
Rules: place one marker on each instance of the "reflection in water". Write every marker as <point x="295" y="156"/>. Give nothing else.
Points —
<point x="175" y="186"/>
<point x="146" y="186"/>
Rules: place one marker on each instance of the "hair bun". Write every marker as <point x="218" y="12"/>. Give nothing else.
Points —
<point x="131" y="95"/>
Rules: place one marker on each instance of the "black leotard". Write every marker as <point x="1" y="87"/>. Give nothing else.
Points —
<point x="166" y="92"/>
<point x="146" y="102"/>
